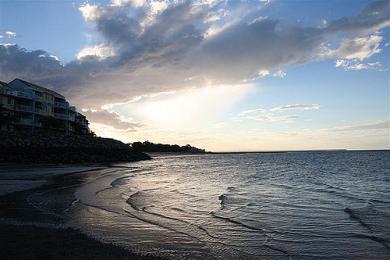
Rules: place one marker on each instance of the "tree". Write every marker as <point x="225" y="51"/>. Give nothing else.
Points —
<point x="151" y="147"/>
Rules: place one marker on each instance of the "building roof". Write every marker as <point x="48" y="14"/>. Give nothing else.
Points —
<point x="39" y="88"/>
<point x="4" y="84"/>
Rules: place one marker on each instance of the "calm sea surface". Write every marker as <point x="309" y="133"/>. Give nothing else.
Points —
<point x="243" y="206"/>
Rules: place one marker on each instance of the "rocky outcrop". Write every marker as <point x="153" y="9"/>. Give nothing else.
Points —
<point x="56" y="147"/>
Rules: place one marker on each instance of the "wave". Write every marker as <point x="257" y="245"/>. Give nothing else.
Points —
<point x="192" y="234"/>
<point x="238" y="200"/>
<point x="383" y="241"/>
<point x="131" y="200"/>
<point x="231" y="220"/>
<point x="183" y="193"/>
<point x="363" y="215"/>
<point x="266" y="232"/>
<point x="355" y="216"/>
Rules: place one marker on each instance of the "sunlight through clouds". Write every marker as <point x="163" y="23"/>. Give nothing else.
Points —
<point x="184" y="110"/>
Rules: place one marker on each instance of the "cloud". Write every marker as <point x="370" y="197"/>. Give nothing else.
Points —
<point x="99" y="51"/>
<point x="274" y="118"/>
<point x="182" y="110"/>
<point x="251" y="111"/>
<point x="17" y="61"/>
<point x="360" y="48"/>
<point x="10" y="34"/>
<point x="379" y="125"/>
<point x="263" y="73"/>
<point x="127" y="2"/>
<point x="279" y="74"/>
<point x="91" y="12"/>
<point x="142" y="44"/>
<point x="373" y="17"/>
<point x="112" y="119"/>
<point x="261" y="114"/>
<point x="356" y="65"/>
<point x="297" y="107"/>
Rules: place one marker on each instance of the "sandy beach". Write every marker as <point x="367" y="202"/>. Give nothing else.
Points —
<point x="27" y="231"/>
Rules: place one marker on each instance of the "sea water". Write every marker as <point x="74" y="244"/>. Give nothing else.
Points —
<point x="243" y="206"/>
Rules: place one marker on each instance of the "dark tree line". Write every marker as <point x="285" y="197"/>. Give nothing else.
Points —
<point x="162" y="148"/>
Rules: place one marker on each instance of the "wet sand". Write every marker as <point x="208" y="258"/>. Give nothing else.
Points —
<point x="30" y="242"/>
<point x="28" y="232"/>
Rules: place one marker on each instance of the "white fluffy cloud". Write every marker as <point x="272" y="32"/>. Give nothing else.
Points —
<point x="91" y="12"/>
<point x="279" y="74"/>
<point x="10" y="34"/>
<point x="263" y="73"/>
<point x="98" y="51"/>
<point x="274" y="118"/>
<point x="297" y="107"/>
<point x="126" y="2"/>
<point x="356" y="65"/>
<point x="359" y="48"/>
<point x="275" y="114"/>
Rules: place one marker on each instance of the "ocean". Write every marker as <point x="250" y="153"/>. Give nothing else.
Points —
<point x="307" y="205"/>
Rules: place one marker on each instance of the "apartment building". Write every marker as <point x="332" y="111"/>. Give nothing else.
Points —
<point x="25" y="105"/>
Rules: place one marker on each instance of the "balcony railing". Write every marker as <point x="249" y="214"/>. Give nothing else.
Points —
<point x="61" y="104"/>
<point x="61" y="116"/>
<point x="41" y="111"/>
<point x="39" y="98"/>
<point x="23" y="108"/>
<point x="24" y="121"/>
<point x="19" y="94"/>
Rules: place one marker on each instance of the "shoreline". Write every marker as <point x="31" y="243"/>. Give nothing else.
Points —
<point x="27" y="230"/>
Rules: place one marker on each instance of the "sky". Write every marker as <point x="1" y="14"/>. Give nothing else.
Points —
<point x="224" y="75"/>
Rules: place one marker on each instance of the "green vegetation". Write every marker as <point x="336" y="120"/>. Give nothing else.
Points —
<point x="149" y="147"/>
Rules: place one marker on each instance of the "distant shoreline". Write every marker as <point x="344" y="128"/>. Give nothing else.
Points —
<point x="303" y="151"/>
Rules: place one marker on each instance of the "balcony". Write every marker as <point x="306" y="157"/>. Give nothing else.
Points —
<point x="61" y="116"/>
<point x="23" y="121"/>
<point x="72" y="118"/>
<point x="41" y="111"/>
<point x="39" y="98"/>
<point x="20" y="94"/>
<point x="8" y="106"/>
<point x="64" y="105"/>
<point x="24" y="108"/>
